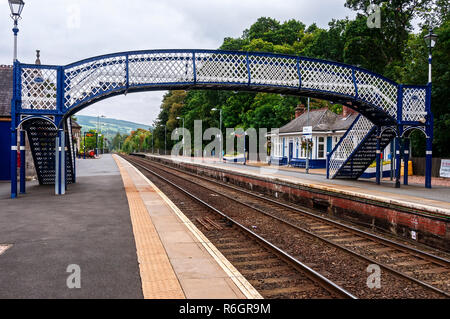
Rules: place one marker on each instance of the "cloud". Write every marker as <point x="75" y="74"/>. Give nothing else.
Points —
<point x="70" y="30"/>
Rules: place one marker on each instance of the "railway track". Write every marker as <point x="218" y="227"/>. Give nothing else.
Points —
<point x="273" y="272"/>
<point x="414" y="273"/>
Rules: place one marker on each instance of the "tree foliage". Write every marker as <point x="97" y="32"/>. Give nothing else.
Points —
<point x="393" y="51"/>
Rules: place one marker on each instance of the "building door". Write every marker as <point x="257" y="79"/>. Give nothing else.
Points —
<point x="291" y="150"/>
<point x="329" y="144"/>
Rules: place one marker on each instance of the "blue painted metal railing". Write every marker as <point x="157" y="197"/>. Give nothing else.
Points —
<point x="60" y="89"/>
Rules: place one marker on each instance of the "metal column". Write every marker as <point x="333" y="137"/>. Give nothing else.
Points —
<point x="398" y="161"/>
<point x="378" y="169"/>
<point x="60" y="165"/>
<point x="22" y="163"/>
<point x="429" y="161"/>
<point x="406" y="160"/>
<point x="13" y="163"/>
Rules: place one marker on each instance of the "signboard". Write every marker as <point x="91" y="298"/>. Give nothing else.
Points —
<point x="307" y="132"/>
<point x="445" y="168"/>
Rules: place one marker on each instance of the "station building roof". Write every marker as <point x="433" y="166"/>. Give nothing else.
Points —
<point x="6" y="90"/>
<point x="322" y="120"/>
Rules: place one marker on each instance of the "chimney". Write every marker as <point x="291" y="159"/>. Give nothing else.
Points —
<point x="38" y="55"/>
<point x="346" y="111"/>
<point x="299" y="110"/>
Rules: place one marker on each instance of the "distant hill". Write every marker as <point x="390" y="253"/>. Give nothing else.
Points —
<point x="111" y="127"/>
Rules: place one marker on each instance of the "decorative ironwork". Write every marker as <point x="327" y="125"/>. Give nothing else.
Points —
<point x="328" y="77"/>
<point x="147" y="69"/>
<point x="86" y="81"/>
<point x="414" y="101"/>
<point x="39" y="88"/>
<point x="349" y="142"/>
<point x="277" y="71"/>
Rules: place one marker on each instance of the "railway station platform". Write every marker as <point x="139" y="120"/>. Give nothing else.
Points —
<point x="127" y="239"/>
<point x="412" y="211"/>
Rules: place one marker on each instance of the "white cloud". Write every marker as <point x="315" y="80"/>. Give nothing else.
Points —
<point x="106" y="26"/>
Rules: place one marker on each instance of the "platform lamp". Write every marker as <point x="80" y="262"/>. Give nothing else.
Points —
<point x="430" y="40"/>
<point x="16" y="7"/>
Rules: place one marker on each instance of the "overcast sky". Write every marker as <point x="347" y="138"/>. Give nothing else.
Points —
<point x="70" y="30"/>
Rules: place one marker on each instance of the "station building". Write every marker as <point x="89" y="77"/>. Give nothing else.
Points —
<point x="327" y="129"/>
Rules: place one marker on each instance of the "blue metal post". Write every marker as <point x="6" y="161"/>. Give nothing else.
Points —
<point x="378" y="169"/>
<point x="429" y="161"/>
<point x="328" y="165"/>
<point x="429" y="150"/>
<point x="392" y="151"/>
<point x="57" y="164"/>
<point x="62" y="163"/>
<point x="13" y="163"/>
<point x="22" y="163"/>
<point x="13" y="154"/>
<point x="398" y="161"/>
<point x="406" y="160"/>
<point x="430" y="133"/>
<point x="74" y="165"/>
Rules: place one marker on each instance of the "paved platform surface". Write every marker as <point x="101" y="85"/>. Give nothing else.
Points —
<point x="435" y="200"/>
<point x="176" y="260"/>
<point x="129" y="240"/>
<point x="89" y="227"/>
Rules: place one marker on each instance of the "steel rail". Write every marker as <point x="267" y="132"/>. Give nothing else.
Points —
<point x="436" y="259"/>
<point x="309" y="272"/>
<point x="368" y="259"/>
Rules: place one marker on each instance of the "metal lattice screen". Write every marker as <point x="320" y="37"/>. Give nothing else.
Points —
<point x="414" y="101"/>
<point x="39" y="88"/>
<point x="88" y="80"/>
<point x="348" y="144"/>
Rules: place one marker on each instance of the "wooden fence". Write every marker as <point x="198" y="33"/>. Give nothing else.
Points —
<point x="419" y="166"/>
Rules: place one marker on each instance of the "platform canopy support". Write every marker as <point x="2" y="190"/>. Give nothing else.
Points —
<point x="379" y="171"/>
<point x="398" y="161"/>
<point x="13" y="163"/>
<point x="60" y="171"/>
<point x="406" y="144"/>
<point x="22" y="163"/>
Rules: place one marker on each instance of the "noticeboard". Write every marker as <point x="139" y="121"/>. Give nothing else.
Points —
<point x="445" y="168"/>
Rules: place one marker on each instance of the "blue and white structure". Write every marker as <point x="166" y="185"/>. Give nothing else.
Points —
<point x="49" y="94"/>
<point x="327" y="128"/>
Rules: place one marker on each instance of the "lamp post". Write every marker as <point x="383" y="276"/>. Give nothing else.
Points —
<point x="430" y="40"/>
<point x="220" y="125"/>
<point x="307" y="144"/>
<point x="16" y="7"/>
<point x="184" y="147"/>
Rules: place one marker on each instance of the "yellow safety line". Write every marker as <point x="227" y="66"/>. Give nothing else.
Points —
<point x="244" y="286"/>
<point x="159" y="280"/>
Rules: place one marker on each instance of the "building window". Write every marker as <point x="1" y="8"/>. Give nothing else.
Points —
<point x="321" y="147"/>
